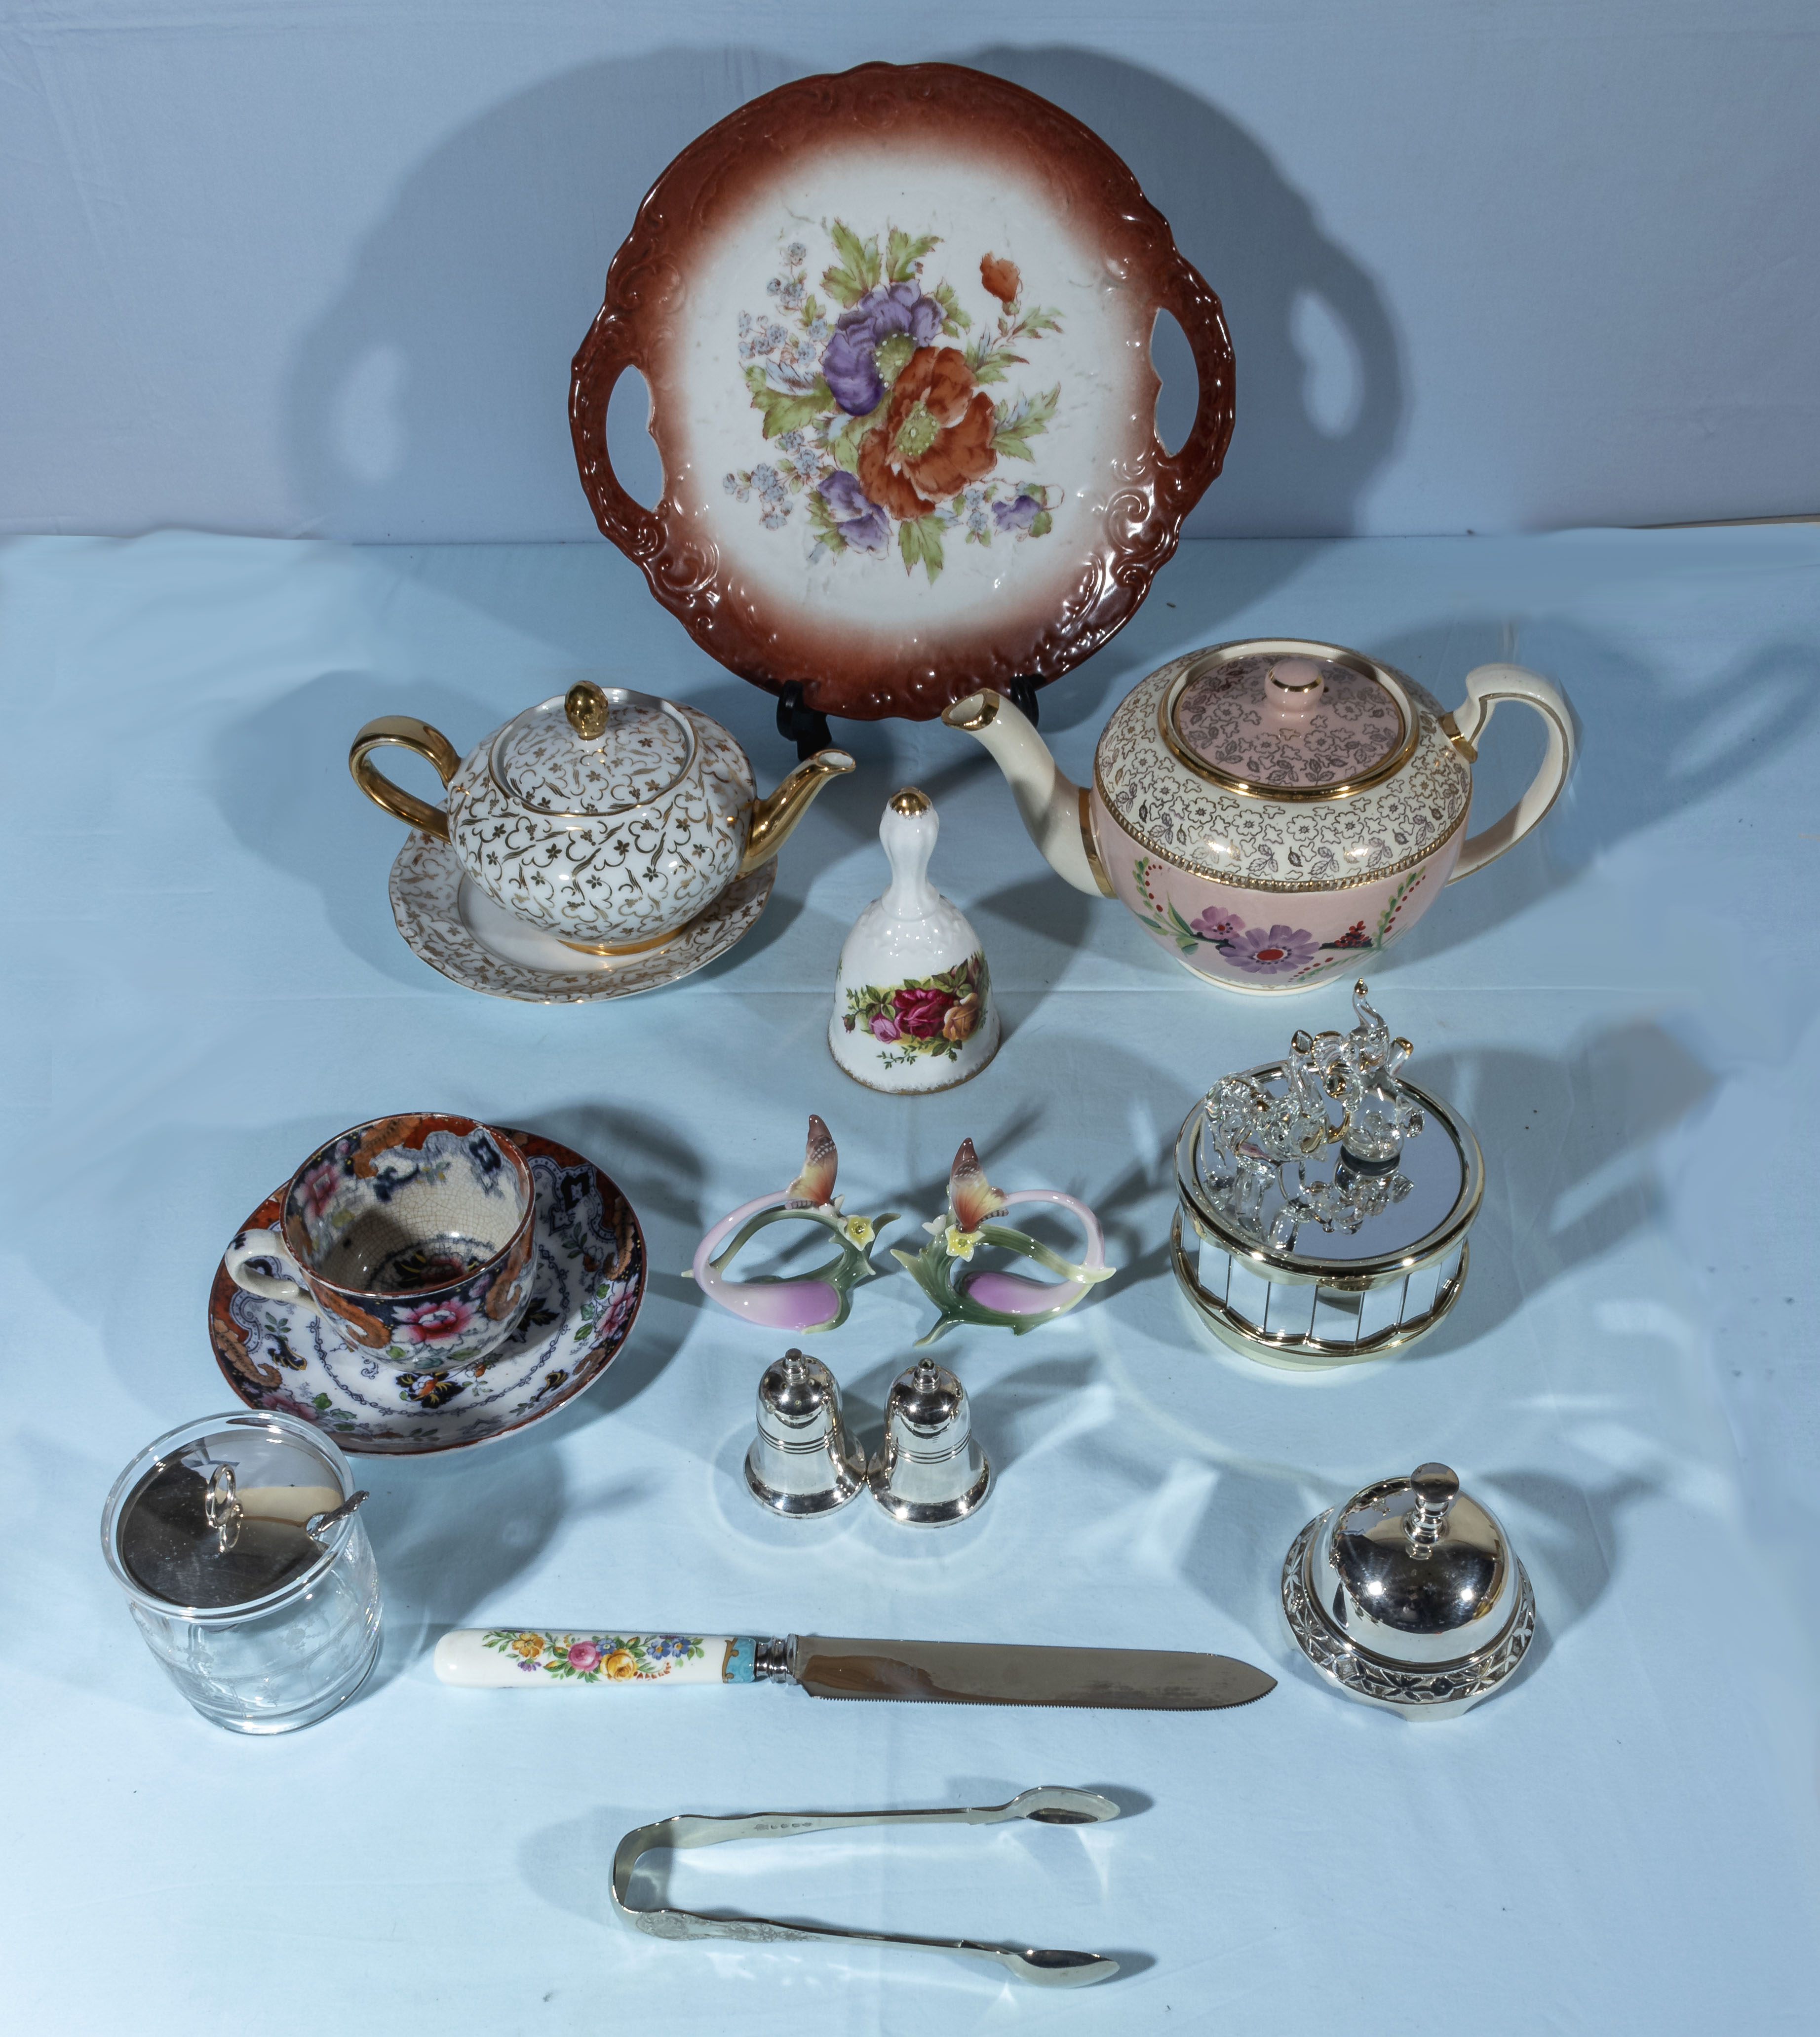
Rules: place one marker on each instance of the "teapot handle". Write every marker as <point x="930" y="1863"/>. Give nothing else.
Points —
<point x="1486" y="685"/>
<point x="408" y="733"/>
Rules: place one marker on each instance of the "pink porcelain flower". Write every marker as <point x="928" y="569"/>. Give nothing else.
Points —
<point x="584" y="1655"/>
<point x="885" y="1027"/>
<point x="434" y="1322"/>
<point x="1214" y="925"/>
<point x="1272" y="950"/>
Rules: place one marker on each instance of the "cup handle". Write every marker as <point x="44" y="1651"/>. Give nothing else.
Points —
<point x="268" y="1286"/>
<point x="1486" y="685"/>
<point x="408" y="733"/>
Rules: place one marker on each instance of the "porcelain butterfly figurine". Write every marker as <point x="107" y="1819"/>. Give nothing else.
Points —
<point x="992" y="1299"/>
<point x="802" y="1303"/>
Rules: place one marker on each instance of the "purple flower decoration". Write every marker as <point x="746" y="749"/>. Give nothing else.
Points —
<point x="884" y="1028"/>
<point x="1018" y="515"/>
<point x="1213" y="925"/>
<point x="850" y="371"/>
<point x="1272" y="950"/>
<point x="849" y="365"/>
<point x="892" y="308"/>
<point x="863" y="524"/>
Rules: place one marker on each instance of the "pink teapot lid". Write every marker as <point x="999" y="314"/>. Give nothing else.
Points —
<point x="1288" y="724"/>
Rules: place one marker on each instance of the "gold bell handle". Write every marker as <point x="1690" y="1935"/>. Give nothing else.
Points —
<point x="408" y="733"/>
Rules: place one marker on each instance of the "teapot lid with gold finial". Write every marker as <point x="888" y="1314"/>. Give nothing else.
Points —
<point x="597" y="750"/>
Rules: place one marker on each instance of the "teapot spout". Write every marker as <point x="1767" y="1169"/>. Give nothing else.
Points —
<point x="1057" y="812"/>
<point x="775" y="816"/>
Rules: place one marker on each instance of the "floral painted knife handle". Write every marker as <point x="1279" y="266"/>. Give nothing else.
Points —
<point x="514" y="1658"/>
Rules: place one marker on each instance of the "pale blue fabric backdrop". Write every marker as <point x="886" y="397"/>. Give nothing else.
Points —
<point x="318" y="266"/>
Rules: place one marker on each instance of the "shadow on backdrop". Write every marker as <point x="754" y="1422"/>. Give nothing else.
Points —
<point x="430" y="401"/>
<point x="1646" y="753"/>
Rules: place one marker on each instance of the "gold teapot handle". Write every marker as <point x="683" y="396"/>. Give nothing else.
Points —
<point x="408" y="733"/>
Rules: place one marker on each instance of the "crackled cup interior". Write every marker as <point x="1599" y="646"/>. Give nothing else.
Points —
<point x="411" y="1233"/>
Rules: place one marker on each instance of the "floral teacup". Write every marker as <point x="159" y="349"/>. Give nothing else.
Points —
<point x="410" y="1234"/>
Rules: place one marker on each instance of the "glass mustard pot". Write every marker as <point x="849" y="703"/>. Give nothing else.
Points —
<point x="609" y="818"/>
<point x="1274" y="809"/>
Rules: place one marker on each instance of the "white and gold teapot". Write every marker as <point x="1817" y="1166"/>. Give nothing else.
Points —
<point x="609" y="818"/>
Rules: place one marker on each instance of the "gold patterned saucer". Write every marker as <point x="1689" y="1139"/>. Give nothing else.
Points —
<point x="452" y="925"/>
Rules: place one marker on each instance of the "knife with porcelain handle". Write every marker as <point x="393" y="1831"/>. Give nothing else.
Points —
<point x="948" y="1672"/>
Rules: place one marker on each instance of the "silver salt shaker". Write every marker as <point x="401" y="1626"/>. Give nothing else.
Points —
<point x="802" y="1460"/>
<point x="930" y="1469"/>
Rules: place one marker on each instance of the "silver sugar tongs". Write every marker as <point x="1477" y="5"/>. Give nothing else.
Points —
<point x="1046" y="1806"/>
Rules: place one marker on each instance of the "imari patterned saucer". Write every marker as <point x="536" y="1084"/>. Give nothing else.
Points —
<point x="588" y="1253"/>
<point x="452" y="925"/>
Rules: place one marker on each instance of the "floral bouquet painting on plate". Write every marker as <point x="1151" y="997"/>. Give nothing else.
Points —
<point x="876" y="384"/>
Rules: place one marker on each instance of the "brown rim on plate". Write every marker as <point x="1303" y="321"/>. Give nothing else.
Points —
<point x="1140" y="492"/>
<point x="255" y="1383"/>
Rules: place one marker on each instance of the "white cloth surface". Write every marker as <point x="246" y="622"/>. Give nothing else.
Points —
<point x="204" y="981"/>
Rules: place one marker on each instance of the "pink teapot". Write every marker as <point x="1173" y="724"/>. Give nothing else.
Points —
<point x="1273" y="809"/>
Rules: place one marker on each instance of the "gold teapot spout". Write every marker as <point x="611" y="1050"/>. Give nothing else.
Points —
<point x="775" y="816"/>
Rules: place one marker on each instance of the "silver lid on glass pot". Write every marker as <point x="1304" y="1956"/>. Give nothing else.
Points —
<point x="229" y="1518"/>
<point x="1325" y="1201"/>
<point x="1410" y="1596"/>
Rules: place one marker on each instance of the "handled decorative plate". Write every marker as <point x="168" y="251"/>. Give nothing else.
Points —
<point x="896" y="327"/>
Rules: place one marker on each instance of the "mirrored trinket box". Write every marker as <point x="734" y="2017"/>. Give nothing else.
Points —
<point x="1324" y="1202"/>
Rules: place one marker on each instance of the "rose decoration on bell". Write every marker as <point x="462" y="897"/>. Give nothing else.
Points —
<point x="921" y="1012"/>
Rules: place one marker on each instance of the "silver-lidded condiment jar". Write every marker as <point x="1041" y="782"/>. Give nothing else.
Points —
<point x="802" y="1460"/>
<point x="237" y="1541"/>
<point x="1324" y="1202"/>
<point x="930" y="1469"/>
<point x="1410" y="1596"/>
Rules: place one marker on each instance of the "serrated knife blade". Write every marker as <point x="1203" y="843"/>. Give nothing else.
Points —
<point x="972" y="1672"/>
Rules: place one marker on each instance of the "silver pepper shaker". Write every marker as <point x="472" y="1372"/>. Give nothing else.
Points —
<point x="802" y="1460"/>
<point x="930" y="1469"/>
